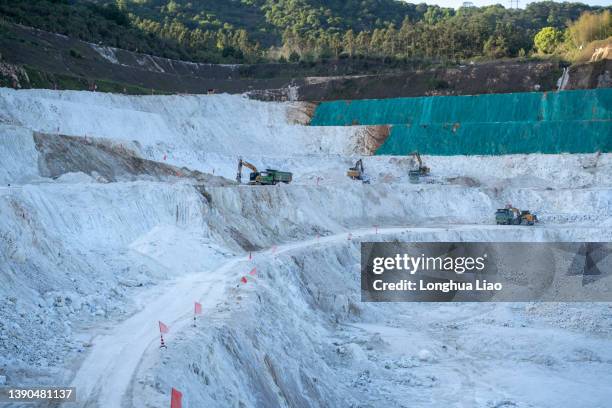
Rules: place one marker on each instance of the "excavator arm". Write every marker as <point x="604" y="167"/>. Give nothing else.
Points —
<point x="418" y="157"/>
<point x="423" y="170"/>
<point x="245" y="164"/>
<point x="359" y="165"/>
<point x="356" y="172"/>
<point x="249" y="166"/>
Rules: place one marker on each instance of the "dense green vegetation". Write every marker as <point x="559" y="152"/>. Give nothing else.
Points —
<point x="293" y="30"/>
<point x="580" y="39"/>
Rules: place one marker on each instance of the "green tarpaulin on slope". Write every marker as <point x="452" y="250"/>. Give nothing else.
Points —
<point x="535" y="122"/>
<point x="592" y="104"/>
<point x="497" y="138"/>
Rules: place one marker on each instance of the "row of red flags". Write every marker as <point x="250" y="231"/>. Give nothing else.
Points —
<point x="197" y="307"/>
<point x="176" y="397"/>
<point x="197" y="310"/>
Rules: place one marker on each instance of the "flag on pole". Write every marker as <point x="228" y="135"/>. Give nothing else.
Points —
<point x="197" y="309"/>
<point x="163" y="328"/>
<point x="176" y="399"/>
<point x="244" y="279"/>
<point x="250" y="256"/>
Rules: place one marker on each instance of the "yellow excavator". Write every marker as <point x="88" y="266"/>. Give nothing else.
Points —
<point x="267" y="177"/>
<point x="357" y="172"/>
<point x="421" y="171"/>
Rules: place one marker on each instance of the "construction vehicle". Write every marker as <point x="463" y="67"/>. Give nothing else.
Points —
<point x="513" y="216"/>
<point x="356" y="172"/>
<point x="267" y="177"/>
<point x="527" y="218"/>
<point x="422" y="170"/>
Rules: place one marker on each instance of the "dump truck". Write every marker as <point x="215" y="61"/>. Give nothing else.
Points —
<point x="267" y="177"/>
<point x="271" y="176"/>
<point x="513" y="216"/>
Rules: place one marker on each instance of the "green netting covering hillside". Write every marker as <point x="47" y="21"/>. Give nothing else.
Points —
<point x="498" y="138"/>
<point x="592" y="104"/>
<point x="553" y="122"/>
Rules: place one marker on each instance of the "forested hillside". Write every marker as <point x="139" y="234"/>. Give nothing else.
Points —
<point x="292" y="30"/>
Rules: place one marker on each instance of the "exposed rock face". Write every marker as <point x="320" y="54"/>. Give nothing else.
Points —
<point x="591" y="75"/>
<point x="493" y="77"/>
<point x="13" y="76"/>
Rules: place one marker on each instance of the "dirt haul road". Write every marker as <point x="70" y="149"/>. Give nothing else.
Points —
<point x="106" y="373"/>
<point x="105" y="376"/>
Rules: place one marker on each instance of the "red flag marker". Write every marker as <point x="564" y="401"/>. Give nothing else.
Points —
<point x="243" y="279"/>
<point x="162" y="329"/>
<point x="197" y="310"/>
<point x="176" y="399"/>
<point x="253" y="272"/>
<point x="250" y="256"/>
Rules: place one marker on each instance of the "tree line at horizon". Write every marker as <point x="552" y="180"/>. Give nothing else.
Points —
<point x="250" y="31"/>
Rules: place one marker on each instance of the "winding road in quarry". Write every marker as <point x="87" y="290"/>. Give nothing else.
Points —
<point x="105" y="375"/>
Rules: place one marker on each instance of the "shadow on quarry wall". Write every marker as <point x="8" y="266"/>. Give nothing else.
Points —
<point x="106" y="161"/>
